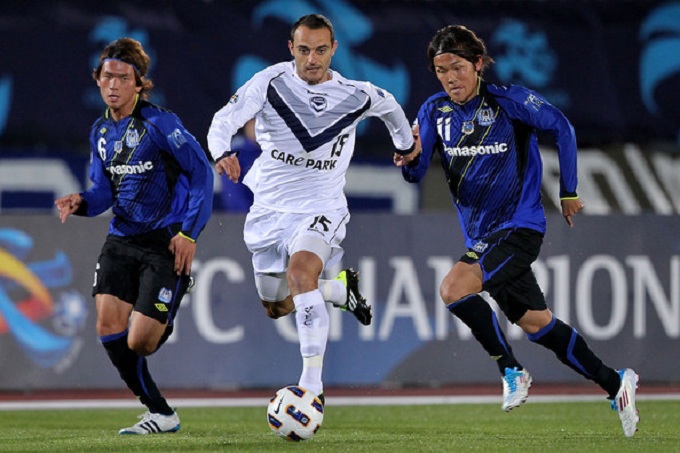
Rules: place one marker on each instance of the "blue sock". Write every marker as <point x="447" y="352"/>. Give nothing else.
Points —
<point x="135" y="373"/>
<point x="476" y="313"/>
<point x="572" y="350"/>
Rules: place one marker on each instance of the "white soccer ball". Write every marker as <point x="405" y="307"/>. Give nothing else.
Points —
<point x="295" y="413"/>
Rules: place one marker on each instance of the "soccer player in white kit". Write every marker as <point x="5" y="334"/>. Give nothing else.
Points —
<point x="305" y="121"/>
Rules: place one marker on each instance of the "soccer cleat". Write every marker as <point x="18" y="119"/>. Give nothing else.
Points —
<point x="516" y="385"/>
<point x="154" y="424"/>
<point x="624" y="402"/>
<point x="356" y="303"/>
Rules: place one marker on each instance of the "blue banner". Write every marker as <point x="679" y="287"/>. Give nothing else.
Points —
<point x="621" y="291"/>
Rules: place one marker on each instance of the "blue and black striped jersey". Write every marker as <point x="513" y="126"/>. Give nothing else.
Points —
<point x="151" y="171"/>
<point x="490" y="156"/>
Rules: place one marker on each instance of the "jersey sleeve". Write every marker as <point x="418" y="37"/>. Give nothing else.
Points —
<point x="428" y="140"/>
<point x="186" y="150"/>
<point x="99" y="197"/>
<point x="531" y="108"/>
<point x="243" y="106"/>
<point x="386" y="107"/>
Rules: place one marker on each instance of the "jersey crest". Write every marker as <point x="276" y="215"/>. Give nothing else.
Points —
<point x="318" y="103"/>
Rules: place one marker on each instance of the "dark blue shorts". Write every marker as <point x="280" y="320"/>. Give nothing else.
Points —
<point x="140" y="271"/>
<point x="506" y="257"/>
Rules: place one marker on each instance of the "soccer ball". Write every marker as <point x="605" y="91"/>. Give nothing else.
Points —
<point x="295" y="413"/>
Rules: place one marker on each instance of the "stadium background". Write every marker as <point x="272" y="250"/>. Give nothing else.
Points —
<point x="612" y="66"/>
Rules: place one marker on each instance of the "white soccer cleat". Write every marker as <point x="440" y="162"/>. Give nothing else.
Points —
<point x="154" y="424"/>
<point x="624" y="402"/>
<point x="516" y="385"/>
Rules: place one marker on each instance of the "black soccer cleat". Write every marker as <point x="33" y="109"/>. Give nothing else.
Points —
<point x="356" y="303"/>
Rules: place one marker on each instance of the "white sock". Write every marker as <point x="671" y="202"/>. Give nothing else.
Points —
<point x="312" y="322"/>
<point x="333" y="291"/>
<point x="311" y="374"/>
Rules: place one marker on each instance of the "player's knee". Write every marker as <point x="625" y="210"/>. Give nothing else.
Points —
<point x="446" y="293"/>
<point x="459" y="283"/>
<point x="534" y="320"/>
<point x="451" y="292"/>
<point x="107" y="326"/>
<point x="301" y="282"/>
<point x="143" y="345"/>
<point x="143" y="348"/>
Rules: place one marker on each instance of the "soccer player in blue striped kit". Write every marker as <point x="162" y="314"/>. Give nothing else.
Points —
<point x="486" y="138"/>
<point x="158" y="182"/>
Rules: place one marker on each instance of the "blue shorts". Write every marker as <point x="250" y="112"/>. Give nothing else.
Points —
<point x="505" y="258"/>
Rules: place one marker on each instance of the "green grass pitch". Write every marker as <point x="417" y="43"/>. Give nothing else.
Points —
<point x="533" y="427"/>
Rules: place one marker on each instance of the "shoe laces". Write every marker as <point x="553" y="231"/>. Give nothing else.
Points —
<point x="511" y="375"/>
<point x="150" y="416"/>
<point x="146" y="416"/>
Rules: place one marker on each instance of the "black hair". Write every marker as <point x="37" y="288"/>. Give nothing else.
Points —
<point x="313" y="22"/>
<point x="128" y="51"/>
<point x="461" y="41"/>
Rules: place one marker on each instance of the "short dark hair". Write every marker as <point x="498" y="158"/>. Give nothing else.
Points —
<point x="128" y="51"/>
<point x="313" y="22"/>
<point x="461" y="41"/>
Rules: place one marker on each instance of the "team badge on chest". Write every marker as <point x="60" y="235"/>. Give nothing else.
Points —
<point x="132" y="138"/>
<point x="318" y="103"/>
<point x="485" y="117"/>
<point x="468" y="127"/>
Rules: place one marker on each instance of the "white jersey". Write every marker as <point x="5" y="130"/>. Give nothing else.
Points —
<point x="307" y="134"/>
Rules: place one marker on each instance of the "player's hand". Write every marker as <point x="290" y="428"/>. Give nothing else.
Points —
<point x="67" y="205"/>
<point x="569" y="208"/>
<point x="229" y="166"/>
<point x="405" y="160"/>
<point x="184" y="251"/>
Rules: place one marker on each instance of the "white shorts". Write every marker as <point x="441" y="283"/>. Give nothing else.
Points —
<point x="272" y="237"/>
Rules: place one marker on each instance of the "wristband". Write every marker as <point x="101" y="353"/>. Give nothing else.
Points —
<point x="185" y="236"/>
<point x="404" y="152"/>
<point x="226" y="154"/>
